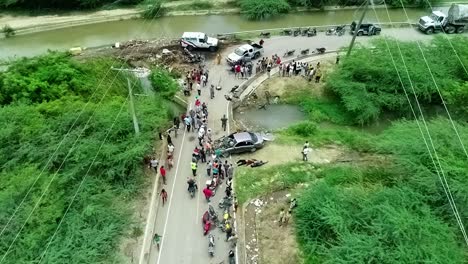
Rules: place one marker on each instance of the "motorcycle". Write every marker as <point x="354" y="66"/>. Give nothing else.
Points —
<point x="191" y="190"/>
<point x="232" y="257"/>
<point x="312" y="32"/>
<point x="211" y="244"/>
<point x="289" y="53"/>
<point x="339" y="30"/>
<point x="296" y="32"/>
<point x="319" y="50"/>
<point x="305" y="31"/>
<point x="265" y="34"/>
<point x="287" y="32"/>
<point x="225" y="202"/>
<point x="304" y="52"/>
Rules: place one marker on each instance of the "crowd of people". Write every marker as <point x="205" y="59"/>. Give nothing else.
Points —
<point x="304" y="69"/>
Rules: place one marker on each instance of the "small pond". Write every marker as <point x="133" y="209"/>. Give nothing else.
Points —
<point x="272" y="118"/>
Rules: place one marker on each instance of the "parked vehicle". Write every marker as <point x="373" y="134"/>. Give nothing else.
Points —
<point x="304" y="52"/>
<point x="198" y="40"/>
<point x="365" y="29"/>
<point x="319" y="51"/>
<point x="239" y="143"/>
<point x="245" y="53"/>
<point x="265" y="34"/>
<point x="455" y="22"/>
<point x="339" y="30"/>
<point x="289" y="53"/>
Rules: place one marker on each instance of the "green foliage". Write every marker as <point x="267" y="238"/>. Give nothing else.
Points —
<point x="368" y="85"/>
<point x="335" y="224"/>
<point x="53" y="76"/>
<point x="31" y="133"/>
<point x="8" y="31"/>
<point x="263" y="9"/>
<point x="163" y="82"/>
<point x="62" y="4"/>
<point x="152" y="9"/>
<point x="251" y="183"/>
<point x="303" y="129"/>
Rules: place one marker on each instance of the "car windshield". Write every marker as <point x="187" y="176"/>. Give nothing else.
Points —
<point x="434" y="17"/>
<point x="239" y="52"/>
<point x="254" y="137"/>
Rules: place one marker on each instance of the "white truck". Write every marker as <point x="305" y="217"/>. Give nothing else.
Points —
<point x="198" y="40"/>
<point x="455" y="22"/>
<point x="245" y="53"/>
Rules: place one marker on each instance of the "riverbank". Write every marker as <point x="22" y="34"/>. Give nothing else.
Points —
<point x="24" y="24"/>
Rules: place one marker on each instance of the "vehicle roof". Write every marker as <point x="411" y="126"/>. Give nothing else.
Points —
<point x="242" y="136"/>
<point x="438" y="13"/>
<point x="193" y="35"/>
<point x="245" y="47"/>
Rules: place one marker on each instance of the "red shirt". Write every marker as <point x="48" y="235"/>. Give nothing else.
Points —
<point x="162" y="171"/>
<point x="197" y="102"/>
<point x="238" y="68"/>
<point x="208" y="193"/>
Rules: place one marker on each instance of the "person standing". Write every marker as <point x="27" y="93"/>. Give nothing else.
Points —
<point x="198" y="88"/>
<point x="281" y="217"/>
<point x="318" y="75"/>
<point x="194" y="168"/>
<point x="305" y="153"/>
<point x="224" y="122"/>
<point x="291" y="70"/>
<point x="188" y="122"/>
<point x="202" y="155"/>
<point x="228" y="230"/>
<point x="162" y="171"/>
<point x="203" y="80"/>
<point x="154" y="164"/>
<point x="208" y="193"/>
<point x="212" y="93"/>
<point x="209" y="165"/>
<point x="169" y="139"/>
<point x="269" y="69"/>
<point x="218" y="59"/>
<point x="176" y="122"/>
<point x="230" y="171"/>
<point x="163" y="196"/>
<point x="287" y="216"/>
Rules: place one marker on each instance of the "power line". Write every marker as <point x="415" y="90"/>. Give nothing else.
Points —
<point x="442" y="178"/>
<point x="66" y="157"/>
<point x="82" y="181"/>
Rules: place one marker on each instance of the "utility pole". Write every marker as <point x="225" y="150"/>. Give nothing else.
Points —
<point x="130" y="102"/>
<point x="358" y="26"/>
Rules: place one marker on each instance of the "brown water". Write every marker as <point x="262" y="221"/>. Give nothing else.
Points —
<point x="111" y="32"/>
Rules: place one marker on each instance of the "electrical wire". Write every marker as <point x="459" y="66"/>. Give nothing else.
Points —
<point x="437" y="86"/>
<point x="442" y="178"/>
<point x="82" y="181"/>
<point x="68" y="154"/>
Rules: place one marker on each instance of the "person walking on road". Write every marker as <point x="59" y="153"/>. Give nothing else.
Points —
<point x="212" y="89"/>
<point x="208" y="193"/>
<point x="202" y="155"/>
<point x="198" y="88"/>
<point x="176" y="122"/>
<point x="162" y="171"/>
<point x="218" y="59"/>
<point x="188" y="122"/>
<point x="228" y="231"/>
<point x="163" y="196"/>
<point x="209" y="165"/>
<point x="194" y="168"/>
<point x="224" y="122"/>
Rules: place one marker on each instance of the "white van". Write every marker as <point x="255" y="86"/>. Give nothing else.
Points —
<point x="192" y="40"/>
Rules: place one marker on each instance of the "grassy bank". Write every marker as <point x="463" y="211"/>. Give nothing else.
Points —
<point x="68" y="127"/>
<point x="373" y="211"/>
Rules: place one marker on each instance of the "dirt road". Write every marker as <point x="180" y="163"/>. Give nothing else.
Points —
<point x="179" y="221"/>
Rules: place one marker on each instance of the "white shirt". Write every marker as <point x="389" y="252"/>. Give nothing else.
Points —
<point x="306" y="151"/>
<point x="154" y="163"/>
<point x="170" y="148"/>
<point x="203" y="78"/>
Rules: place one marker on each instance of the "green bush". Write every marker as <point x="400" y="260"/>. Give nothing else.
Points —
<point x="368" y="85"/>
<point x="32" y="132"/>
<point x="152" y="9"/>
<point x="303" y="129"/>
<point x="356" y="225"/>
<point x="163" y="83"/>
<point x="263" y="9"/>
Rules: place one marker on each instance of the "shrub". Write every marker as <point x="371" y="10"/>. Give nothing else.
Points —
<point x="263" y="9"/>
<point x="163" y="83"/>
<point x="303" y="129"/>
<point x="8" y="31"/>
<point x="152" y="9"/>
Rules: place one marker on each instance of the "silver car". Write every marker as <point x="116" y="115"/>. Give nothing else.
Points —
<point x="239" y="143"/>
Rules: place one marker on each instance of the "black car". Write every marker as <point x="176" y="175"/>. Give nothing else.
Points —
<point x="366" y="29"/>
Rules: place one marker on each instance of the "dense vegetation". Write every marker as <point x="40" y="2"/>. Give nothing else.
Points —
<point x="42" y="101"/>
<point x="264" y="9"/>
<point x="63" y="4"/>
<point x="368" y="86"/>
<point x="389" y="207"/>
